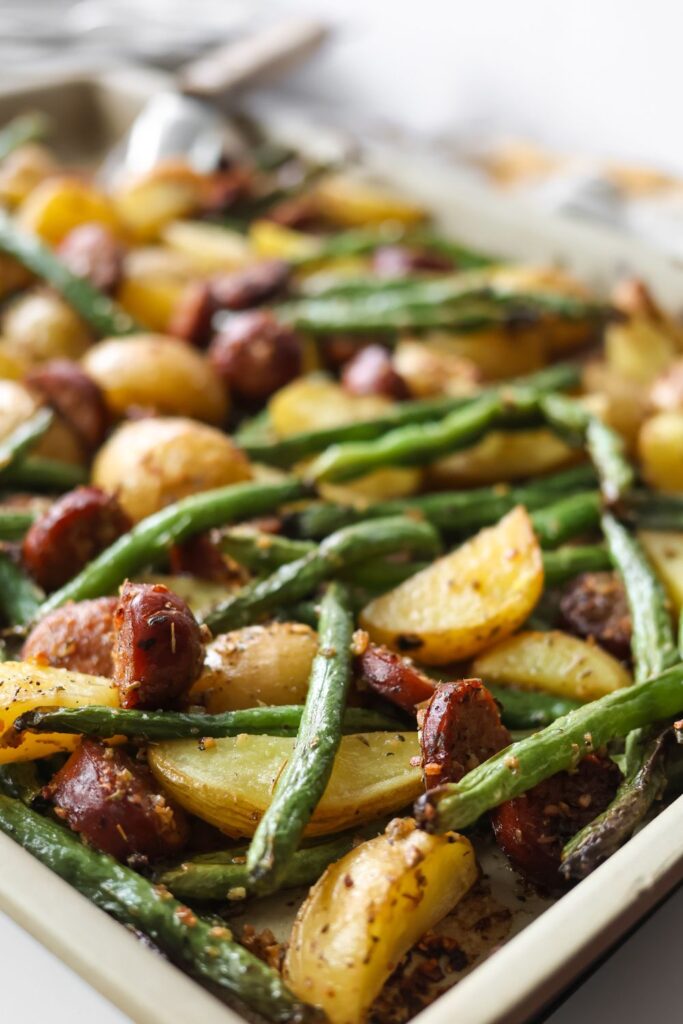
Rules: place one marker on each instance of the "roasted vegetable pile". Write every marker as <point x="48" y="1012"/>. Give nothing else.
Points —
<point x="322" y="539"/>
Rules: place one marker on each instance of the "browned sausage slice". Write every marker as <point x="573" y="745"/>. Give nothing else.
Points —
<point x="594" y="605"/>
<point x="113" y="803"/>
<point x="75" y="636"/>
<point x="246" y="288"/>
<point x="77" y="527"/>
<point x="392" y="677"/>
<point x="75" y="397"/>
<point x="532" y="829"/>
<point x="255" y="355"/>
<point x="157" y="651"/>
<point x="92" y="251"/>
<point x="460" y="728"/>
<point x="371" y="372"/>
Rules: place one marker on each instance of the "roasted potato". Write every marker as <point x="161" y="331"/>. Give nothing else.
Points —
<point x="25" y="685"/>
<point x="59" y="204"/>
<point x="660" y="448"/>
<point x="315" y="402"/>
<point x="230" y="783"/>
<point x="150" y="463"/>
<point x="496" y="354"/>
<point x="502" y="456"/>
<point x="352" y="202"/>
<point x="154" y="280"/>
<point x="274" y="241"/>
<point x="639" y="349"/>
<point x="17" y="405"/>
<point x="554" y="662"/>
<point x="157" y="373"/>
<point x="209" y="247"/>
<point x="146" y="204"/>
<point x="430" y="369"/>
<point x="23" y="170"/>
<point x="256" y="665"/>
<point x="39" y="325"/>
<point x="361" y="918"/>
<point x="665" y="549"/>
<point x="464" y="602"/>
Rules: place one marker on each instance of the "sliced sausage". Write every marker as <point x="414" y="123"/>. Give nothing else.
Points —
<point x="199" y="556"/>
<point x="91" y="251"/>
<point x="299" y="212"/>
<point x="594" y="605"/>
<point x="401" y="261"/>
<point x="371" y="372"/>
<point x="78" y="526"/>
<point x="255" y="355"/>
<point x="157" y="649"/>
<point x="533" y="828"/>
<point x="77" y="636"/>
<point x="392" y="677"/>
<point x="75" y="397"/>
<point x="244" y="289"/>
<point x="193" y="313"/>
<point x="460" y="729"/>
<point x="225" y="187"/>
<point x="113" y="803"/>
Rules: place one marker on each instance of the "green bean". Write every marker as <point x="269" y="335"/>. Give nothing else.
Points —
<point x="39" y="474"/>
<point x="19" y="596"/>
<point x="606" y="448"/>
<point x="526" y="709"/>
<point x="97" y="309"/>
<point x="150" y="538"/>
<point x="22" y="439"/>
<point x="30" y="127"/>
<point x="206" y="950"/>
<point x="566" y="518"/>
<point x="105" y="722"/>
<point x="565" y="563"/>
<point x="558" y="747"/>
<point x="416" y="445"/>
<point x="290" y="450"/>
<point x="350" y="546"/>
<point x="303" y="781"/>
<point x="653" y="645"/>
<point x="14" y="523"/>
<point x="644" y="783"/>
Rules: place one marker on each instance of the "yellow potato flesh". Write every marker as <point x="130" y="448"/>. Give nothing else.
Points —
<point x="555" y="662"/>
<point x="660" y="447"/>
<point x="353" y="202"/>
<point x="208" y="246"/>
<point x="24" y="686"/>
<point x="231" y="782"/>
<point x="277" y="242"/>
<point x="267" y="664"/>
<point x="367" y="910"/>
<point x="639" y="349"/>
<point x="497" y="354"/>
<point x="59" y="204"/>
<point x="314" y="403"/>
<point x="503" y="456"/>
<point x="665" y="550"/>
<point x="154" y="280"/>
<point x="466" y="601"/>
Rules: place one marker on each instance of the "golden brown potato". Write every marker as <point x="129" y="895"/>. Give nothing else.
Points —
<point x="154" y="280"/>
<point x="665" y="550"/>
<point x="361" y="918"/>
<point x="502" y="456"/>
<point x="275" y="241"/>
<point x="39" y="326"/>
<point x="624" y="401"/>
<point x="554" y="662"/>
<point x="496" y="354"/>
<point x="25" y="685"/>
<point x="466" y="601"/>
<point x="639" y="349"/>
<point x="23" y="170"/>
<point x="256" y="665"/>
<point x="431" y="369"/>
<point x="209" y="247"/>
<point x="660" y="448"/>
<point x="316" y="402"/>
<point x="17" y="405"/>
<point x="12" y="366"/>
<point x="59" y="204"/>
<point x="146" y="204"/>
<point x="230" y="782"/>
<point x="153" y="462"/>
<point x="162" y="374"/>
<point x="355" y="202"/>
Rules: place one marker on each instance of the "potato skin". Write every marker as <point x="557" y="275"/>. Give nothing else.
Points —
<point x="18" y="404"/>
<point x="76" y="636"/>
<point x="367" y="910"/>
<point x="660" y="443"/>
<point x="267" y="664"/>
<point x="159" y="374"/>
<point x="114" y="804"/>
<point x="39" y="325"/>
<point x="152" y="462"/>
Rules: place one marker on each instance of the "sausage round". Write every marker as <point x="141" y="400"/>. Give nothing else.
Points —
<point x="392" y="677"/>
<point x="400" y="261"/>
<point x="92" y="251"/>
<point x="460" y="728"/>
<point x="112" y="802"/>
<point x="78" y="526"/>
<point x="157" y="649"/>
<point x="371" y="372"/>
<point x="75" y="397"/>
<point x="594" y="605"/>
<point x="533" y="828"/>
<point x="75" y="636"/>
<point x="251" y="286"/>
<point x="255" y="355"/>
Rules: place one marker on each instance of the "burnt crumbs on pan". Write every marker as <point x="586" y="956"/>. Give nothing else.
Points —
<point x="337" y="560"/>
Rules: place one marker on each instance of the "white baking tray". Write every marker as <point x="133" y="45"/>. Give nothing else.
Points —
<point x="551" y="944"/>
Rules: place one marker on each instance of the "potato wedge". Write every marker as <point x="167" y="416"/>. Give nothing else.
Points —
<point x="146" y="204"/>
<point x="273" y="241"/>
<point x="464" y="602"/>
<point x="59" y="204"/>
<point x="503" y="456"/>
<point x="313" y="403"/>
<point x="230" y="783"/>
<point x="256" y="665"/>
<point x="660" y="448"/>
<point x="25" y="685"/>
<point x="351" y="201"/>
<point x="497" y="354"/>
<point x="209" y="247"/>
<point x="154" y="280"/>
<point x="665" y="550"/>
<point x="554" y="662"/>
<point x="639" y="349"/>
<point x="367" y="910"/>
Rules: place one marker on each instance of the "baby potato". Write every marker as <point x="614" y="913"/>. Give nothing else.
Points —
<point x="361" y="918"/>
<point x="25" y="685"/>
<point x="152" y="371"/>
<point x="665" y="550"/>
<point x="355" y="202"/>
<point x="660" y="449"/>
<point x="315" y="402"/>
<point x="154" y="279"/>
<point x="465" y="601"/>
<point x="273" y="241"/>
<point x="209" y="247"/>
<point x="380" y="485"/>
<point x="153" y="462"/>
<point x="430" y="369"/>
<point x="554" y="662"/>
<point x="17" y="405"/>
<point x="230" y="783"/>
<point x="502" y="456"/>
<point x="39" y="326"/>
<point x="639" y="349"/>
<point x="146" y="204"/>
<point x="256" y="665"/>
<point x="625" y="403"/>
<point x="12" y="367"/>
<point x="59" y="204"/>
<point x="496" y="354"/>
<point x="24" y="169"/>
